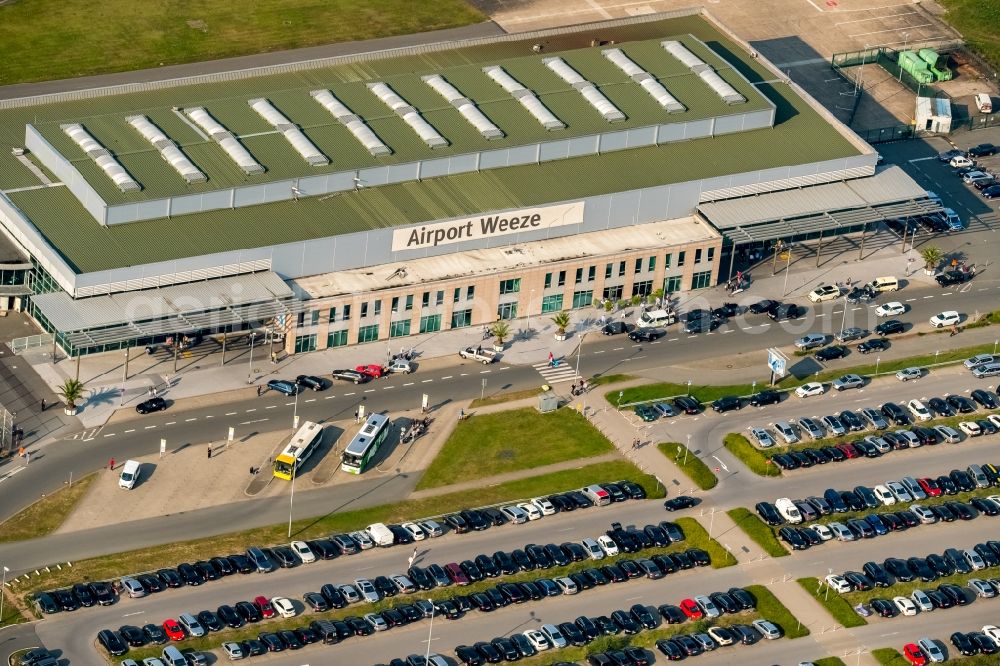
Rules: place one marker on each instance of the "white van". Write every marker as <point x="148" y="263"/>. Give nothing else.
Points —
<point x="984" y="103"/>
<point x="598" y="495"/>
<point x="881" y="284"/>
<point x="960" y="161"/>
<point x="653" y="318"/>
<point x="381" y="534"/>
<point x="129" y="475"/>
<point x="788" y="510"/>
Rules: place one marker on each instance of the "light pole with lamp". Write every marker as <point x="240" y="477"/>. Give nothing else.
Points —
<point x="3" y="586"/>
<point x="861" y="74"/>
<point x="906" y="36"/>
<point x="295" y="409"/>
<point x="877" y="360"/>
<point x="291" y="500"/>
<point x="843" y="320"/>
<point x="788" y="264"/>
<point x="687" y="449"/>
<point x="531" y="298"/>
<point x="253" y="336"/>
<point x="430" y="633"/>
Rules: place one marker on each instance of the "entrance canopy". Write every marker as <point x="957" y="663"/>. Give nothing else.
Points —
<point x="888" y="194"/>
<point x="211" y="305"/>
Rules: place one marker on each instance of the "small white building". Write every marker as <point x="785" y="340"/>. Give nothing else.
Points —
<point x="933" y="115"/>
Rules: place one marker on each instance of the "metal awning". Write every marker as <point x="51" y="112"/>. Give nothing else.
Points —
<point x="210" y="304"/>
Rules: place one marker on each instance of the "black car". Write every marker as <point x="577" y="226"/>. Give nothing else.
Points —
<point x="633" y="490"/>
<point x="852" y="421"/>
<point x="242" y="564"/>
<point x="66" y="600"/>
<point x="727" y="403"/>
<point x="961" y="404"/>
<point x="704" y="324"/>
<point x="984" y="643"/>
<point x="679" y="502"/>
<point x="687" y="404"/>
<point x="310" y="382"/>
<point x="645" y="334"/>
<point x="494" y="516"/>
<point x="793" y="538"/>
<point x="617" y="494"/>
<point x="475" y="519"/>
<point x="272" y="641"/>
<point x="883" y="607"/>
<point x="112" y="642"/>
<point x="987" y="399"/>
<point x="152" y="405"/>
<point x="953" y="277"/>
<point x="572" y="634"/>
<point x="316" y="601"/>
<point x="456" y="523"/>
<point x="982" y="150"/>
<point x="875" y="344"/>
<point x="963" y="644"/>
<point x="489" y="652"/>
<point x="955" y="593"/>
<point x="765" y="398"/>
<point x="210" y="620"/>
<point x="769" y="513"/>
<point x="133" y="635"/>
<point x="248" y="611"/>
<point x="102" y="592"/>
<point x="189" y="574"/>
<point x="154" y="634"/>
<point x="832" y="352"/>
<point x="786" y="311"/>
<point x="469" y="655"/>
<point x="46" y="603"/>
<point x="921" y="569"/>
<point x="725" y="602"/>
<point x="350" y="376"/>
<point x="898" y="569"/>
<point x="283" y="386"/>
<point x="670" y="649"/>
<point x="889" y="327"/>
<point x="616" y="328"/>
<point x="230" y="617"/>
<point x="877" y="574"/>
<point x="895" y="413"/>
<point x="207" y="571"/>
<point x="286" y="557"/>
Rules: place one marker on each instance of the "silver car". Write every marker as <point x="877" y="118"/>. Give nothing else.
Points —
<point x="810" y="340"/>
<point x="834" y="425"/>
<point x="767" y="629"/>
<point x="367" y="590"/>
<point x="875" y="418"/>
<point x="848" y="382"/>
<point x="812" y="428"/>
<point x="851" y="334"/>
<point x="786" y="431"/>
<point x="763" y="437"/>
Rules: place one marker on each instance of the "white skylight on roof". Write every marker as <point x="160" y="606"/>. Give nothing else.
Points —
<point x="115" y="171"/>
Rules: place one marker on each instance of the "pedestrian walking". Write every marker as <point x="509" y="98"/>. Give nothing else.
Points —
<point x="209" y="451"/>
<point x="251" y="470"/>
<point x="27" y="457"/>
<point x="258" y="391"/>
<point x="551" y="356"/>
<point x="111" y="464"/>
<point x="43" y="404"/>
<point x="20" y="452"/>
<point x="409" y="561"/>
<point x="356" y="415"/>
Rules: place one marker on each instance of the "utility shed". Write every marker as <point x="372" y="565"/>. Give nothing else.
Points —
<point x="933" y="115"/>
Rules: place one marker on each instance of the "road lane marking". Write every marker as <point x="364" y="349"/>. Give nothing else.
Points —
<point x="254" y="409"/>
<point x="149" y="427"/>
<point x="409" y="384"/>
<point x="949" y="293"/>
<point x="426" y="381"/>
<point x="314" y="399"/>
<point x="110" y="434"/>
<point x="255" y="421"/>
<point x="170" y="423"/>
<point x="189" y="420"/>
<point x="128" y="431"/>
<point x="926" y="297"/>
<point x="485" y="372"/>
<point x="448" y="377"/>
<point x="271" y="407"/>
<point x="910" y="300"/>
<point x="229" y="414"/>
<point x="369" y="390"/>
<point x="347" y="394"/>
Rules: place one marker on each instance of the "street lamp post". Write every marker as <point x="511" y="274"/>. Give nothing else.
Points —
<point x="531" y="298"/>
<point x="788" y="264"/>
<point x="253" y="336"/>
<point x="3" y="585"/>
<point x="843" y="320"/>
<point x="291" y="500"/>
<point x="877" y="359"/>
<point x="295" y="409"/>
<point x="687" y="449"/>
<point x="430" y="633"/>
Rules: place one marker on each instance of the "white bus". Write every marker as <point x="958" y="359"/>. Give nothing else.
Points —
<point x="365" y="444"/>
<point x="303" y="444"/>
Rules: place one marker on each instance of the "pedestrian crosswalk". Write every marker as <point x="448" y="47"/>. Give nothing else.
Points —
<point x="563" y="372"/>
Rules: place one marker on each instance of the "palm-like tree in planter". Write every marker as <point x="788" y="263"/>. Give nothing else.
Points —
<point x="561" y="320"/>
<point x="70" y="391"/>
<point x="501" y="331"/>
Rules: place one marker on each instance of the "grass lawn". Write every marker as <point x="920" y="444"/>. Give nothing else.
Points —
<point x="840" y="610"/>
<point x="690" y="464"/>
<point x="772" y="609"/>
<point x="979" y="23"/>
<point x="55" y="39"/>
<point x="829" y="661"/>
<point x="750" y="455"/>
<point x="755" y="528"/>
<point x="111" y="566"/>
<point x="695" y="538"/>
<point x="489" y="444"/>
<point x="509" y="396"/>
<point x="11" y="615"/>
<point x="609" y="379"/>
<point x="47" y="514"/>
<point x="891" y="657"/>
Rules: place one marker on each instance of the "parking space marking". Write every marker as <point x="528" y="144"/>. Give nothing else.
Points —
<point x="876" y="32"/>
<point x="110" y="434"/>
<point x="271" y="407"/>
<point x="170" y="423"/>
<point x="369" y="390"/>
<point x="448" y="377"/>
<point x="128" y="431"/>
<point x="189" y="420"/>
<point x="149" y="427"/>
<point x="229" y="414"/>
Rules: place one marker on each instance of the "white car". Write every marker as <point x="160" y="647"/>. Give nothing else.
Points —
<point x="905" y="606"/>
<point x="922" y="601"/>
<point x="980" y="359"/>
<point x="554" y="636"/>
<point x="809" y="389"/>
<point x="919" y="411"/>
<point x="890" y="309"/>
<point x="883" y="495"/>
<point x="763" y="437"/>
<point x="304" y="552"/>
<point x="899" y="491"/>
<point x="994" y="419"/>
<point x="970" y="428"/>
<point x="906" y="374"/>
<point x="923" y="514"/>
<point x="767" y="629"/>
<point x="533" y="512"/>
<point x="544" y="506"/>
<point x="723" y="637"/>
<point x="787" y="432"/>
<point x="822" y="531"/>
<point x="827" y="292"/>
<point x="948" y="434"/>
<point x="537" y="639"/>
<point x="838" y="583"/>
<point x="608" y="545"/>
<point x="594" y="550"/>
<point x="841" y="531"/>
<point x="284" y="606"/>
<point x="416" y="531"/>
<point x="947" y="318"/>
<point x="992" y="631"/>
<point x="515" y="514"/>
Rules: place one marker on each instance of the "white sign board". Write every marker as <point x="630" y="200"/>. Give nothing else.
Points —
<point x="163" y="447"/>
<point x="776" y="361"/>
<point x="491" y="225"/>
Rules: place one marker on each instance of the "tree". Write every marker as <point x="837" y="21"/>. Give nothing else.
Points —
<point x="561" y="320"/>
<point x="70" y="391"/>
<point x="932" y="257"/>
<point x="500" y="330"/>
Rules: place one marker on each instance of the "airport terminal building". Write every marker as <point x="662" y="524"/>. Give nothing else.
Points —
<point x="368" y="197"/>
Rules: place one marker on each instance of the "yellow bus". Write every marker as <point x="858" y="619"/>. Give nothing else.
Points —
<point x="303" y="444"/>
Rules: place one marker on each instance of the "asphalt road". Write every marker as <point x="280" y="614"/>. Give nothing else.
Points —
<point x="73" y="633"/>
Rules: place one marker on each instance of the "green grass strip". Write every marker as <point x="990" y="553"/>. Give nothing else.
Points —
<point x="690" y="464"/>
<point x="755" y="528"/>
<point x="839" y="609"/>
<point x="697" y="537"/>
<point x="829" y="661"/>
<point x="890" y="657"/>
<point x="750" y="455"/>
<point x="771" y="609"/>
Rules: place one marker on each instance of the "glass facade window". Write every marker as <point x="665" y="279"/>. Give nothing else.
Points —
<point x="378" y="307"/>
<point x="697" y="256"/>
<point x="591" y="273"/>
<point x="644" y="288"/>
<point x="409" y="302"/>
<point x="711" y="253"/>
<point x="672" y="284"/>
<point x="652" y="264"/>
<point x="395" y="304"/>
<point x="548" y="280"/>
<point x="305" y="343"/>
<point x="582" y="299"/>
<point x="457" y="296"/>
<point x="347" y="311"/>
<point x="314" y="317"/>
<point x="621" y="269"/>
<point x="507" y="310"/>
<point x="680" y="258"/>
<point x="607" y="271"/>
<point x="336" y="339"/>
<point x="552" y="303"/>
<point x="666" y="261"/>
<point x="398" y="329"/>
<point x="612" y="293"/>
<point x="638" y="267"/>
<point x="332" y="314"/>
<point x="300" y="319"/>
<point x="562" y="279"/>
<point x="512" y="286"/>
<point x="579" y="275"/>
<point x="425" y="300"/>
<point x="439" y="300"/>
<point x="364" y="309"/>
<point x="368" y="333"/>
<point x="461" y="318"/>
<point x="430" y="323"/>
<point x="470" y="293"/>
<point x="701" y="280"/>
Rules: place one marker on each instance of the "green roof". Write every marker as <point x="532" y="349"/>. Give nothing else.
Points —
<point x="800" y="136"/>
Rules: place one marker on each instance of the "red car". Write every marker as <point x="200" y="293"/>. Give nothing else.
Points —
<point x="456" y="574"/>
<point x="930" y="486"/>
<point x="371" y="370"/>
<point x="265" y="607"/>
<point x="914" y="654"/>
<point x="173" y="630"/>
<point x="690" y="608"/>
<point x="849" y="450"/>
